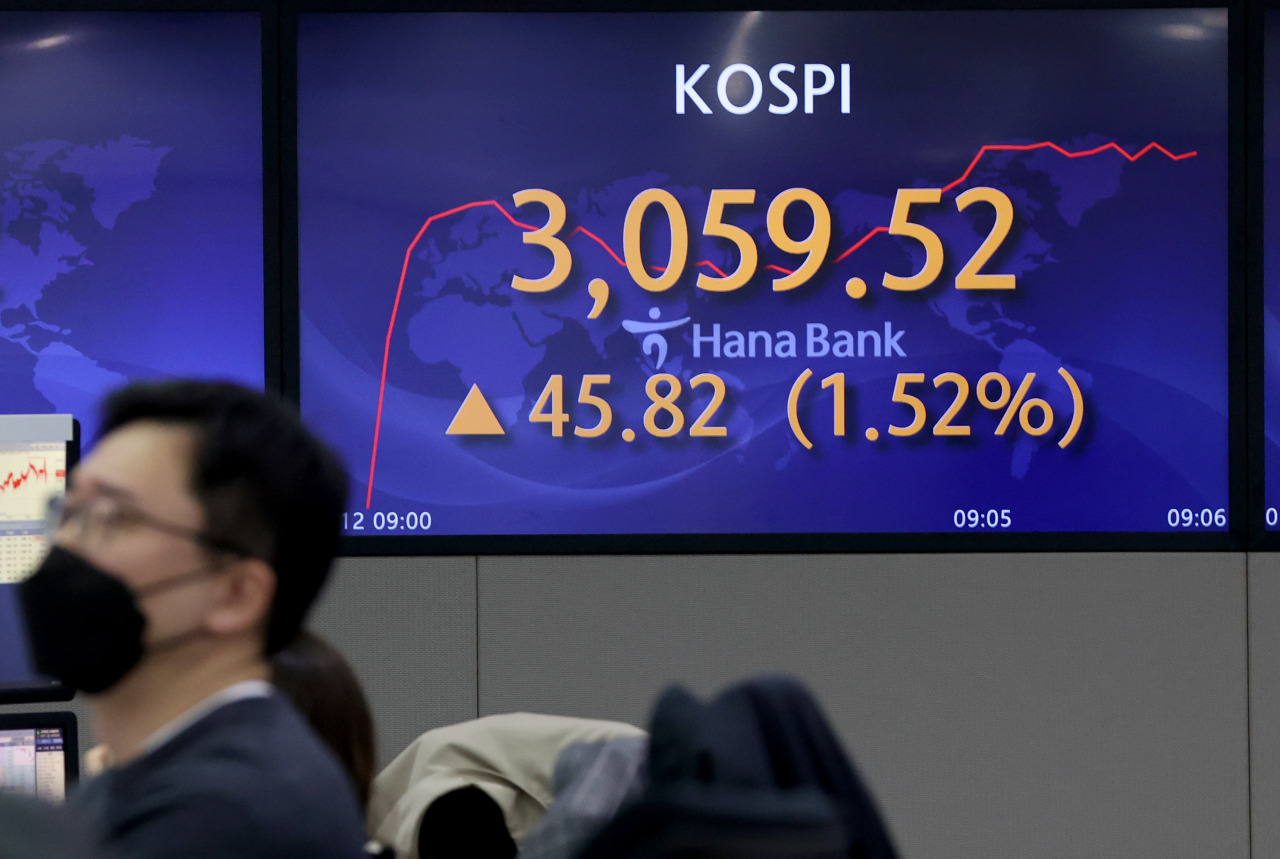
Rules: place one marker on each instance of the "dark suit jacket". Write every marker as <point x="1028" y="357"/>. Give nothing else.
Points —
<point x="248" y="780"/>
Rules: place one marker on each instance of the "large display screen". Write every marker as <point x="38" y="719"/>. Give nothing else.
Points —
<point x="768" y="272"/>
<point x="131" y="235"/>
<point x="131" y="203"/>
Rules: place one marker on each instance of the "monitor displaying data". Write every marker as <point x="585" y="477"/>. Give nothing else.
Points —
<point x="131" y="203"/>
<point x="36" y="452"/>
<point x="768" y="273"/>
<point x="38" y="754"/>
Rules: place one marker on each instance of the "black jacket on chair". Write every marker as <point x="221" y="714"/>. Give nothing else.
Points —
<point x="762" y="751"/>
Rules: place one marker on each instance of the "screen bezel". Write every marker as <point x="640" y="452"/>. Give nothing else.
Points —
<point x="26" y="693"/>
<point x="1260" y="538"/>
<point x="1234" y="539"/>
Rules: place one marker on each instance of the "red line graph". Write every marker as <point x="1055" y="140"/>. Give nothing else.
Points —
<point x="404" y="269"/>
<point x="15" y="481"/>
<point x="1011" y="147"/>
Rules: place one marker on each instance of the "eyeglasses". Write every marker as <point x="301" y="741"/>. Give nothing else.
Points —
<point x="101" y="519"/>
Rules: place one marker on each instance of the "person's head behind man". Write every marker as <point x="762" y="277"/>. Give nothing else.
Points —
<point x="220" y="513"/>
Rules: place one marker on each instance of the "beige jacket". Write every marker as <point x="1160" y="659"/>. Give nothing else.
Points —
<point x="510" y="757"/>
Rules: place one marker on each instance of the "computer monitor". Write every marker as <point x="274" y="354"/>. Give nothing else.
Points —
<point x="39" y="754"/>
<point x="36" y="452"/>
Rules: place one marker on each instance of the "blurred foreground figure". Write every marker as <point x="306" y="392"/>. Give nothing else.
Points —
<point x="191" y="544"/>
<point x="33" y="829"/>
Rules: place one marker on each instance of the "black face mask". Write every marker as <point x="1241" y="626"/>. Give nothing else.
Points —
<point x="83" y="625"/>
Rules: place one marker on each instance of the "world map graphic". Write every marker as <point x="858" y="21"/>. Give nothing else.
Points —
<point x="57" y="201"/>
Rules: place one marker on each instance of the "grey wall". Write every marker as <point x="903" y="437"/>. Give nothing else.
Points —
<point x="1264" y="695"/>
<point x="408" y="626"/>
<point x="999" y="705"/>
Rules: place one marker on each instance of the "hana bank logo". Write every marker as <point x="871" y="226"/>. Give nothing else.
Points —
<point x="815" y="340"/>
<point x="654" y="343"/>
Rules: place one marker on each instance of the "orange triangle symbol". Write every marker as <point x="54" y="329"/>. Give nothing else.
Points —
<point x="475" y="417"/>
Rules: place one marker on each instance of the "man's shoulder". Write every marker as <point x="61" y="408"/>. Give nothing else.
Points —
<point x="251" y="771"/>
<point x="252" y="746"/>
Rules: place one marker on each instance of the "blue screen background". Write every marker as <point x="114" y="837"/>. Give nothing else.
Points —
<point x="130" y="204"/>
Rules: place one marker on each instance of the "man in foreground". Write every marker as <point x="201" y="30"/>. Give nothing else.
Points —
<point x="190" y="546"/>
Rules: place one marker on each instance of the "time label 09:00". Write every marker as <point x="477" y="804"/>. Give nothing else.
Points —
<point x="412" y="521"/>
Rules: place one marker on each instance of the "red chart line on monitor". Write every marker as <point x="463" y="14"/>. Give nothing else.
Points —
<point x="15" y="481"/>
<point x="408" y="254"/>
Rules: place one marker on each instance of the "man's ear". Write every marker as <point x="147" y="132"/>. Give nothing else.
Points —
<point x="244" y="601"/>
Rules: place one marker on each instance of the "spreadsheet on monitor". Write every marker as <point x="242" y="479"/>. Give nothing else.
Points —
<point x="33" y="762"/>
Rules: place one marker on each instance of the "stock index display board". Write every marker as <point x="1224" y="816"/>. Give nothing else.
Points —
<point x="769" y="272"/>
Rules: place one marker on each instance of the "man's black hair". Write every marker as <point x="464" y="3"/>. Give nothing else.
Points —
<point x="264" y="482"/>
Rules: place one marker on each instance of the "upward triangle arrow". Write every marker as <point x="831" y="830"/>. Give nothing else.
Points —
<point x="475" y="417"/>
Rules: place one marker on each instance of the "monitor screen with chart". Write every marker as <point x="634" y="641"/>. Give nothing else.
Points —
<point x="36" y="453"/>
